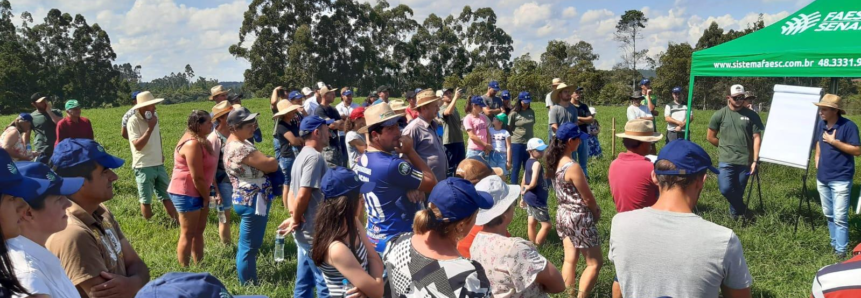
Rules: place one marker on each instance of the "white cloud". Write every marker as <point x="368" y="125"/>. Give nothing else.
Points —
<point x="569" y="12"/>
<point x="545" y="30"/>
<point x="530" y="13"/>
<point x="591" y="16"/>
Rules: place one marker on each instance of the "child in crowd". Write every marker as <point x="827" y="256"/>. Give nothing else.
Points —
<point x="594" y="130"/>
<point x="501" y="155"/>
<point x="534" y="192"/>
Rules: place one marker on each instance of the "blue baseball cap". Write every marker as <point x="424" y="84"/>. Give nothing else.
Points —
<point x="14" y="184"/>
<point x="477" y="100"/>
<point x="568" y="131"/>
<point x="26" y="117"/>
<point x="135" y="95"/>
<point x="184" y="285"/>
<point x="525" y="97"/>
<point x="494" y="85"/>
<point x="418" y="90"/>
<point x="677" y="90"/>
<point x="347" y="93"/>
<point x="505" y="95"/>
<point x="295" y="94"/>
<point x="72" y="152"/>
<point x="688" y="157"/>
<point x="311" y="123"/>
<point x="645" y="82"/>
<point x="52" y="184"/>
<point x="457" y="199"/>
<point x="579" y="88"/>
<point x="340" y="181"/>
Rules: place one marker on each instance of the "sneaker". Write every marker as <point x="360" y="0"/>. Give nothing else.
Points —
<point x="840" y="255"/>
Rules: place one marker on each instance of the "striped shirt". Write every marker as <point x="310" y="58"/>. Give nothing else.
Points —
<point x="839" y="280"/>
<point x="334" y="279"/>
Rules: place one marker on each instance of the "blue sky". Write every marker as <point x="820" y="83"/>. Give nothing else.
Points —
<point x="164" y="35"/>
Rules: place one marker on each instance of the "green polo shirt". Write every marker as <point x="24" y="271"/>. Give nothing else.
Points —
<point x="44" y="130"/>
<point x="735" y="130"/>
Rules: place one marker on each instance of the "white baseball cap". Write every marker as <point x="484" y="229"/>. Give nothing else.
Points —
<point x="736" y="90"/>
<point x="503" y="195"/>
<point x="535" y="144"/>
<point x="439" y="93"/>
<point x="306" y="91"/>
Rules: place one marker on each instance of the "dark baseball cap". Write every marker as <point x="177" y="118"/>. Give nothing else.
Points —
<point x="13" y="183"/>
<point x="524" y="97"/>
<point x="311" y="123"/>
<point x="410" y="95"/>
<point x="457" y="199"/>
<point x="53" y="183"/>
<point x="240" y="115"/>
<point x="26" y="117"/>
<point x="677" y="90"/>
<point x="295" y="94"/>
<point x="184" y="285"/>
<point x="505" y="95"/>
<point x="493" y="85"/>
<point x="347" y="92"/>
<point x="477" y="100"/>
<point x="568" y="131"/>
<point x="688" y="157"/>
<point x="383" y="88"/>
<point x="645" y="82"/>
<point x="72" y="152"/>
<point x="340" y="181"/>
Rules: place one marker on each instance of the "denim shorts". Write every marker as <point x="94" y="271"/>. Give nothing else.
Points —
<point x="541" y="214"/>
<point x="286" y="165"/>
<point x="185" y="203"/>
<point x="226" y="190"/>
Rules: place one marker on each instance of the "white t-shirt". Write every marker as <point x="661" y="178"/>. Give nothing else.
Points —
<point x="499" y="137"/>
<point x="310" y="105"/>
<point x="676" y="111"/>
<point x="547" y="101"/>
<point x="345" y="112"/>
<point x="38" y="270"/>
<point x="638" y="112"/>
<point x="352" y="152"/>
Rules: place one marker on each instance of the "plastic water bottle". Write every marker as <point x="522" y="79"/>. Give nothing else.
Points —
<point x="222" y="218"/>
<point x="347" y="286"/>
<point x="279" y="246"/>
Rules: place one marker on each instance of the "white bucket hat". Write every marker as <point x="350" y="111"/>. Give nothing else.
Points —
<point x="503" y="195"/>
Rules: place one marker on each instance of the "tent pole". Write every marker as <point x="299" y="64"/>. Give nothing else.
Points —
<point x="690" y="107"/>
<point x="833" y="86"/>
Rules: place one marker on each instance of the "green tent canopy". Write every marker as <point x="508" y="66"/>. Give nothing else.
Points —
<point x="822" y="39"/>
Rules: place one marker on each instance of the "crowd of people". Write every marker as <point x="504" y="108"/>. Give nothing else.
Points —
<point x="386" y="200"/>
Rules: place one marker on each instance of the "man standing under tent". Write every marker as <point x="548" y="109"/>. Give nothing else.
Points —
<point x="837" y="145"/>
<point x="736" y="131"/>
<point x="674" y="114"/>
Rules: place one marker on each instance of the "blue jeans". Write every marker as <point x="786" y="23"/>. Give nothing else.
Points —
<point x="226" y="190"/>
<point x="471" y="153"/>
<point x="582" y="156"/>
<point x="518" y="160"/>
<point x="835" y="206"/>
<point x="286" y="164"/>
<point x="498" y="160"/>
<point x="277" y="145"/>
<point x="308" y="276"/>
<point x="251" y="230"/>
<point x="732" y="181"/>
<point x="456" y="153"/>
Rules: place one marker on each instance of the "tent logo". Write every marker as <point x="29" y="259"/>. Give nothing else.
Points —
<point x="800" y="23"/>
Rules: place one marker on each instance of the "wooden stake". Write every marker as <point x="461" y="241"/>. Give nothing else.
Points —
<point x="613" y="138"/>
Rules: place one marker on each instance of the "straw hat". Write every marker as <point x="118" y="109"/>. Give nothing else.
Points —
<point x="832" y="101"/>
<point x="398" y="106"/>
<point x="554" y="96"/>
<point x="216" y="91"/>
<point x="378" y="113"/>
<point x="425" y="97"/>
<point x="556" y="81"/>
<point x="220" y="109"/>
<point x="640" y="130"/>
<point x="146" y="99"/>
<point x="284" y="107"/>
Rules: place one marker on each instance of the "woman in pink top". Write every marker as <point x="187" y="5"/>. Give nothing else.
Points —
<point x="476" y="125"/>
<point x="194" y="164"/>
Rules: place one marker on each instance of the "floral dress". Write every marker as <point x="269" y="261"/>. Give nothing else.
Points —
<point x="248" y="182"/>
<point x="594" y="144"/>
<point x="512" y="265"/>
<point x="574" y="220"/>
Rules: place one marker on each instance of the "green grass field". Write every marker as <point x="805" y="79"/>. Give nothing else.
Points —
<point x="782" y="262"/>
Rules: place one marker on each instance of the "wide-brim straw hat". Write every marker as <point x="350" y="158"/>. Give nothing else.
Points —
<point x="426" y="97"/>
<point x="378" y="113"/>
<point x="146" y="99"/>
<point x="641" y="130"/>
<point x="398" y="106"/>
<point x="554" y="96"/>
<point x="284" y="107"/>
<point x="221" y="109"/>
<point x="831" y="101"/>
<point x="216" y="91"/>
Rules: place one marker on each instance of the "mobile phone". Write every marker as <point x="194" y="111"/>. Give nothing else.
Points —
<point x="148" y="115"/>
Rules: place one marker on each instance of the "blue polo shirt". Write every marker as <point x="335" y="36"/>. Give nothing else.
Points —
<point x="836" y="165"/>
<point x="387" y="180"/>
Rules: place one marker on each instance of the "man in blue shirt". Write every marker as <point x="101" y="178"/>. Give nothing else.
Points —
<point x="837" y="144"/>
<point x="391" y="200"/>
